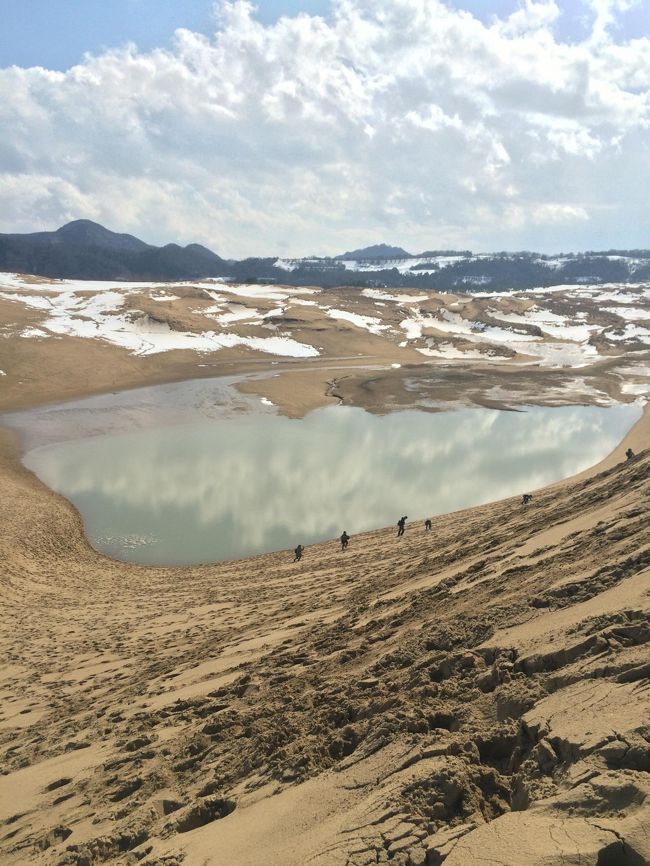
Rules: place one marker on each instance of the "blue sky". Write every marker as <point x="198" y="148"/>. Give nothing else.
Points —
<point x="57" y="33"/>
<point x="523" y="125"/>
<point x="573" y="24"/>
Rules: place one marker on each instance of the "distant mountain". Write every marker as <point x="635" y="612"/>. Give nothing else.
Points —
<point x="463" y="271"/>
<point x="173" y="262"/>
<point x="378" y="251"/>
<point x="86" y="250"/>
<point x="88" y="233"/>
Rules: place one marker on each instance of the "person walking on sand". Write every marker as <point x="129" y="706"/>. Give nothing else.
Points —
<point x="401" y="525"/>
<point x="298" y="551"/>
<point x="629" y="454"/>
<point x="526" y="498"/>
<point x="427" y="525"/>
<point x="345" y="540"/>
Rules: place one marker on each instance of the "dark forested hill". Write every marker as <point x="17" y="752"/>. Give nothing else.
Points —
<point x="85" y="250"/>
<point x="378" y="251"/>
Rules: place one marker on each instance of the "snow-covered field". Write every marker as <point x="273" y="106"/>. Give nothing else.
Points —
<point x="568" y="326"/>
<point x="94" y="310"/>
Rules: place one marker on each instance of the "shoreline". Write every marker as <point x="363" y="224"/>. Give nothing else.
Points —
<point x="636" y="437"/>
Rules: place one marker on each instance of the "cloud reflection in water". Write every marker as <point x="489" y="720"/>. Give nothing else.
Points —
<point x="216" y="490"/>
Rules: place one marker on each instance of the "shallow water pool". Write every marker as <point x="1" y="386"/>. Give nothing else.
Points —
<point x="190" y="473"/>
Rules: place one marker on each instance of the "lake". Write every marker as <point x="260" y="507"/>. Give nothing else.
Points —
<point x="196" y="472"/>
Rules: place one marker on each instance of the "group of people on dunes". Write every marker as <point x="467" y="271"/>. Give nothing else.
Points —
<point x="401" y="523"/>
<point x="344" y="538"/>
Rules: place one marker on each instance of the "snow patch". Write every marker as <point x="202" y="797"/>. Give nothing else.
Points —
<point x="635" y="371"/>
<point x="368" y="323"/>
<point x="33" y="332"/>
<point x="454" y="323"/>
<point x="163" y="296"/>
<point x="450" y="352"/>
<point x="18" y="281"/>
<point x="551" y="323"/>
<point x="639" y="389"/>
<point x="377" y="294"/>
<point x="628" y="312"/>
<point x="629" y="332"/>
<point x="238" y="313"/>
<point x="267" y="292"/>
<point x="559" y="354"/>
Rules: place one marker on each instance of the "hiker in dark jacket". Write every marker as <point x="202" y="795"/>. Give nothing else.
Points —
<point x="345" y="540"/>
<point x="401" y="525"/>
<point x="298" y="551"/>
<point x="427" y="525"/>
<point x="629" y="454"/>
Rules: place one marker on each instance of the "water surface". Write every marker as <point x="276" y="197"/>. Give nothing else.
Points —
<point x="188" y="473"/>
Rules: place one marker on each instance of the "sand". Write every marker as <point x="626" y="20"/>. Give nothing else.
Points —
<point x="477" y="694"/>
<point x="66" y="339"/>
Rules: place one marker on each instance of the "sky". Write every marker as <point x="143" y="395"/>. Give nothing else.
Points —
<point x="299" y="127"/>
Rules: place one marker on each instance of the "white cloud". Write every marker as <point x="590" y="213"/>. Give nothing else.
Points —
<point x="401" y="120"/>
<point x="531" y="17"/>
<point x="559" y="213"/>
<point x="605" y="14"/>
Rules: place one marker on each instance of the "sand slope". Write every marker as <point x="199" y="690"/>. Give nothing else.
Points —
<point x="477" y="694"/>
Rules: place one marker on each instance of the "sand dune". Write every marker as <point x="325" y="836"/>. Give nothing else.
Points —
<point x="549" y="346"/>
<point x="477" y="694"/>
